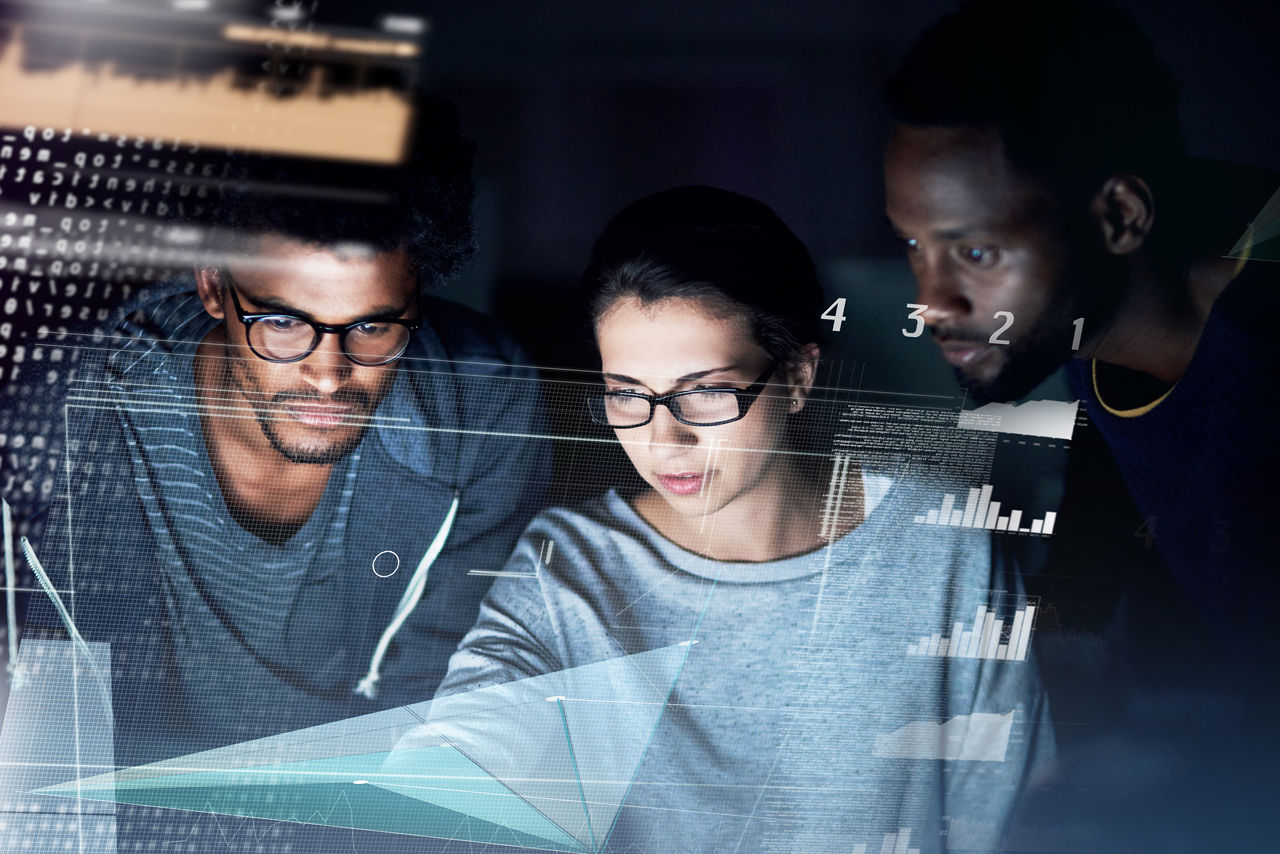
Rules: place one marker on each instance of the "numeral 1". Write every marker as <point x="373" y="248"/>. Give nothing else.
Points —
<point x="1078" y="323"/>
<point x="1146" y="531"/>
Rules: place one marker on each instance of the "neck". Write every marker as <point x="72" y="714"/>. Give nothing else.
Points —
<point x="780" y="517"/>
<point x="266" y="493"/>
<point x="1157" y="325"/>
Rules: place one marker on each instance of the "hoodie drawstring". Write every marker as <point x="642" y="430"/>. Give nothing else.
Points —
<point x="76" y="638"/>
<point x="368" y="686"/>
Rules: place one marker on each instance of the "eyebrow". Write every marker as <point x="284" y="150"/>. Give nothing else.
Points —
<point x="276" y="305"/>
<point x="960" y="233"/>
<point x="696" y="375"/>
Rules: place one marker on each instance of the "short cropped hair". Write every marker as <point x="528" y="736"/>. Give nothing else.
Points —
<point x="1075" y="89"/>
<point x="423" y="204"/>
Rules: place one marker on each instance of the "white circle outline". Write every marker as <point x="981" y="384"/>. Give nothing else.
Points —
<point x="374" y="564"/>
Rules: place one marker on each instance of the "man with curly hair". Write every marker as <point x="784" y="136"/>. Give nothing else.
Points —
<point x="276" y="472"/>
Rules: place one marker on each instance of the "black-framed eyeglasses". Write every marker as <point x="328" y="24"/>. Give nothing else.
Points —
<point x="278" y="337"/>
<point x="699" y="407"/>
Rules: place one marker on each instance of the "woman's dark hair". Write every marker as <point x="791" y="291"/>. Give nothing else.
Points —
<point x="722" y="249"/>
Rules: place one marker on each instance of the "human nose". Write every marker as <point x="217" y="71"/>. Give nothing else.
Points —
<point x="327" y="367"/>
<point x="668" y="438"/>
<point x="940" y="288"/>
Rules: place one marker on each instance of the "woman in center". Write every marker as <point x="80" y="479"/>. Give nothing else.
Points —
<point x="798" y="719"/>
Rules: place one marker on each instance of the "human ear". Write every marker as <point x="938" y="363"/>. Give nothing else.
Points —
<point x="801" y="374"/>
<point x="209" y="289"/>
<point x="1124" y="211"/>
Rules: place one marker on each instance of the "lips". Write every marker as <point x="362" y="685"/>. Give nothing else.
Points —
<point x="963" y="354"/>
<point x="320" y="415"/>
<point x="682" y="483"/>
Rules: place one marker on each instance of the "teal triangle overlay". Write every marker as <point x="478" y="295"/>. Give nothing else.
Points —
<point x="544" y="762"/>
<point x="518" y="733"/>
<point x="606" y="764"/>
<point x="342" y="805"/>
<point x="1259" y="239"/>
<point x="308" y="792"/>
<point x="1266" y="250"/>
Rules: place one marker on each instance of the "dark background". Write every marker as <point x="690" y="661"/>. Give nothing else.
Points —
<point x="581" y="107"/>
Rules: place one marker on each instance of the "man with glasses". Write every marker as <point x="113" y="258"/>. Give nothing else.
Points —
<point x="291" y="475"/>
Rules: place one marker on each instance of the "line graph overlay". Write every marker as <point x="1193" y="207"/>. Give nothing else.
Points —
<point x="485" y="764"/>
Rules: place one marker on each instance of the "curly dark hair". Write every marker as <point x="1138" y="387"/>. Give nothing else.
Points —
<point x="422" y="204"/>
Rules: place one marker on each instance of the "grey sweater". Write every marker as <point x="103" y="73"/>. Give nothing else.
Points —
<point x="797" y="719"/>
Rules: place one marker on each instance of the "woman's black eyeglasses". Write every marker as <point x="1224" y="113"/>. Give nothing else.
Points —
<point x="699" y="407"/>
<point x="278" y="337"/>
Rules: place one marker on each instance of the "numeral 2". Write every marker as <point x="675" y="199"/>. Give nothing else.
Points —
<point x="995" y="336"/>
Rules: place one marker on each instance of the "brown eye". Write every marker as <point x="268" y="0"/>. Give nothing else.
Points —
<point x="282" y="323"/>
<point x="981" y="256"/>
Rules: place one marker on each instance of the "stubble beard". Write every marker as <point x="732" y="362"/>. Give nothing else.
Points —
<point x="272" y="411"/>
<point x="1091" y="292"/>
<point x="1026" y="365"/>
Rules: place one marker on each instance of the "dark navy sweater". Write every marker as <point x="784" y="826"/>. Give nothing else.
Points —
<point x="1202" y="462"/>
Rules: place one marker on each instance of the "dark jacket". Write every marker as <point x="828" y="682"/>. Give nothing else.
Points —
<point x="462" y="420"/>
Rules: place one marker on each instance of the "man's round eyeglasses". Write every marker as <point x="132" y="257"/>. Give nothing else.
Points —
<point x="278" y="337"/>
<point x="699" y="407"/>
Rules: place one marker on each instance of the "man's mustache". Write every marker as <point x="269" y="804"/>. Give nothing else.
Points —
<point x="352" y="397"/>
<point x="952" y="335"/>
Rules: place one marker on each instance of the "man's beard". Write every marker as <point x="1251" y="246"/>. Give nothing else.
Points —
<point x="270" y="413"/>
<point x="1036" y="355"/>
<point x="1029" y="362"/>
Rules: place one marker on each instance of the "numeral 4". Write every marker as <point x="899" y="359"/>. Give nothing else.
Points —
<point x="835" y="313"/>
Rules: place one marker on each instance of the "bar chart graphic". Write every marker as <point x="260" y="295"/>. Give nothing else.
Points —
<point x="995" y="633"/>
<point x="893" y="843"/>
<point x="1051" y="419"/>
<point x="980" y="511"/>
<point x="978" y="737"/>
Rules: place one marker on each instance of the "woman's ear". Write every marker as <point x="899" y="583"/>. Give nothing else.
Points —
<point x="800" y="376"/>
<point x="209" y="289"/>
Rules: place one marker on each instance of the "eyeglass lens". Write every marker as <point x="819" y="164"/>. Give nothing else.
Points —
<point x="286" y="339"/>
<point x="697" y="407"/>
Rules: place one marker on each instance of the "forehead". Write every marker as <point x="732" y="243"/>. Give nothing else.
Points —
<point x="324" y="282"/>
<point x="671" y="338"/>
<point x="955" y="176"/>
